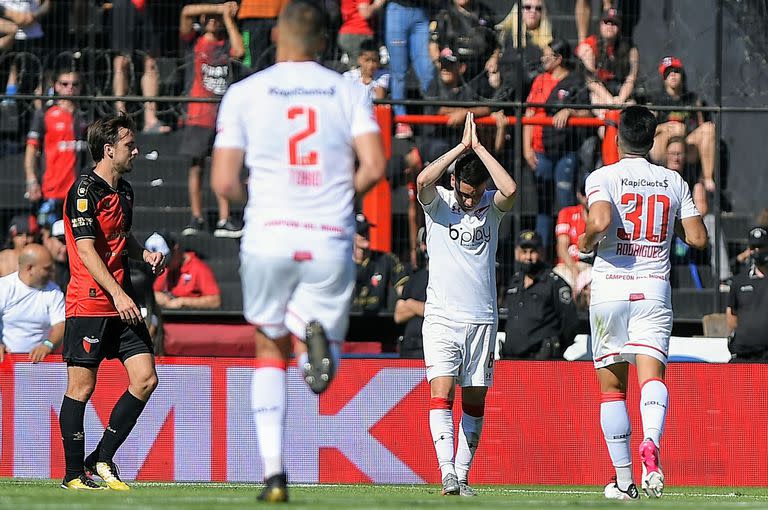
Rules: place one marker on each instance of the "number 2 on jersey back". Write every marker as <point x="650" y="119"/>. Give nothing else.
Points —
<point x="634" y="215"/>
<point x="295" y="157"/>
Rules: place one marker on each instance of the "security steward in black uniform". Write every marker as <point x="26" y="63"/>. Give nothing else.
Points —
<point x="541" y="316"/>
<point x="409" y="308"/>
<point x="747" y="311"/>
<point x="380" y="275"/>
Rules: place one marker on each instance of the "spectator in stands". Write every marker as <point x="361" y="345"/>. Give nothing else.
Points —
<point x="380" y="275"/>
<point x="55" y="242"/>
<point x="676" y="150"/>
<point x="258" y="19"/>
<point x="187" y="282"/>
<point x="27" y="38"/>
<point x="551" y="151"/>
<point x="748" y="302"/>
<point x="21" y="232"/>
<point x="571" y="223"/>
<point x="58" y="135"/>
<point x="450" y="86"/>
<point x="409" y="308"/>
<point x="699" y="133"/>
<point x="536" y="36"/>
<point x="407" y="38"/>
<point x="611" y="61"/>
<point x="541" y="315"/>
<point x="356" y="27"/>
<point x="136" y="25"/>
<point x="10" y="21"/>
<point x="219" y="41"/>
<point x="31" y="307"/>
<point x="745" y="256"/>
<point x="142" y="280"/>
<point x="467" y="28"/>
<point x="368" y="71"/>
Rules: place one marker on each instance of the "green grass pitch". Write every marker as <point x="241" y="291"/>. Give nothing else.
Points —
<point x="46" y="494"/>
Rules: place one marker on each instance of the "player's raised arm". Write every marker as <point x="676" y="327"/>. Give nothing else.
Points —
<point x="506" y="187"/>
<point x="425" y="182"/>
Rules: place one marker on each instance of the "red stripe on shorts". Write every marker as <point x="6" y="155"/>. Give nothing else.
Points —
<point x="648" y="346"/>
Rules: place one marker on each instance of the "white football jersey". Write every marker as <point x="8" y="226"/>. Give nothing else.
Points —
<point x="462" y="258"/>
<point x="26" y="313"/>
<point x="632" y="261"/>
<point x="296" y="122"/>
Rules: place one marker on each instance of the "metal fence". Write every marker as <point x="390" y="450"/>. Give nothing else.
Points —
<point x="720" y="45"/>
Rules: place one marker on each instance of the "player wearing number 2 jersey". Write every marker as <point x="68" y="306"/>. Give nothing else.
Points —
<point x="298" y="127"/>
<point x="634" y="208"/>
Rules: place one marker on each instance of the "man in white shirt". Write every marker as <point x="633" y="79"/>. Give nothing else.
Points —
<point x="298" y="127"/>
<point x="634" y="208"/>
<point x="31" y="306"/>
<point x="460" y="315"/>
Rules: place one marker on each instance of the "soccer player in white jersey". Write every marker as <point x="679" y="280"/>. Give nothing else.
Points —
<point x="634" y="208"/>
<point x="298" y="127"/>
<point x="460" y="316"/>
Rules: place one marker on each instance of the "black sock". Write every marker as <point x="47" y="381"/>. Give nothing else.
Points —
<point x="73" y="436"/>
<point x="121" y="422"/>
<point x="93" y="457"/>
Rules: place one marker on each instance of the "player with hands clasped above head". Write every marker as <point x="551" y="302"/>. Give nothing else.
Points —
<point x="634" y="206"/>
<point x="460" y="315"/>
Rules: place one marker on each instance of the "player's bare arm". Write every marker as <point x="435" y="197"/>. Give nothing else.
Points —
<point x="506" y="187"/>
<point x="425" y="182"/>
<point x="598" y="221"/>
<point x="124" y="305"/>
<point x="692" y="231"/>
<point x="225" y="173"/>
<point x="373" y="163"/>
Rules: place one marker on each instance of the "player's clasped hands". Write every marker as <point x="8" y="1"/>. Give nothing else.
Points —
<point x="469" y="139"/>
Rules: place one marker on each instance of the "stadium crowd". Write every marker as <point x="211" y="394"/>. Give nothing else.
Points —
<point x="456" y="50"/>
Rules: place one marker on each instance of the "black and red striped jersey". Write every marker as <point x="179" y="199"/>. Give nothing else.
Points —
<point x="95" y="210"/>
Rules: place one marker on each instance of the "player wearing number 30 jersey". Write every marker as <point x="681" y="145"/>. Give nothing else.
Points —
<point x="299" y="128"/>
<point x="634" y="209"/>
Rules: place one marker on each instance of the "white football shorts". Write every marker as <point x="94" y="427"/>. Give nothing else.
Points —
<point x="281" y="295"/>
<point x="622" y="329"/>
<point x="460" y="350"/>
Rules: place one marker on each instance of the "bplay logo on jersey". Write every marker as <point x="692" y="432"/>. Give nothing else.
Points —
<point x="89" y="342"/>
<point x="469" y="237"/>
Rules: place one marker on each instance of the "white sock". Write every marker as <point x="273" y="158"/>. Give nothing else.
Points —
<point x="268" y="406"/>
<point x="617" y="430"/>
<point x="654" y="399"/>
<point x="469" y="438"/>
<point x="441" y="426"/>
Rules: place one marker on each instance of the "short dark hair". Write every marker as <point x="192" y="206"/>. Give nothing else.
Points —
<point x="106" y="130"/>
<point x="637" y="128"/>
<point x="369" y="45"/>
<point x="471" y="170"/>
<point x="307" y="23"/>
<point x="65" y="70"/>
<point x="563" y="48"/>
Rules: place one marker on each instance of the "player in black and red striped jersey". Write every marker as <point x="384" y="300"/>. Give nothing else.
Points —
<point x="102" y="319"/>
